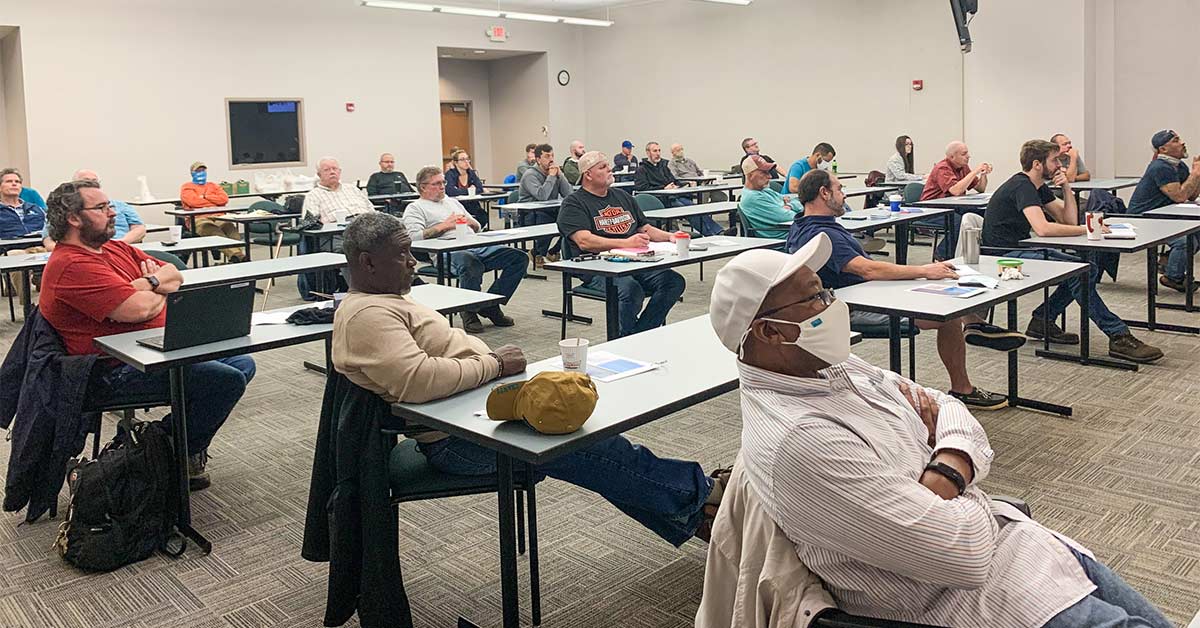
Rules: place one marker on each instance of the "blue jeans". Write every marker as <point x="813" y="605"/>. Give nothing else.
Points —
<point x="663" y="494"/>
<point x="1177" y="261"/>
<point x="211" y="390"/>
<point x="470" y="265"/>
<point x="664" y="286"/>
<point x="704" y="225"/>
<point x="1072" y="290"/>
<point x="1114" y="604"/>
<point x="541" y="246"/>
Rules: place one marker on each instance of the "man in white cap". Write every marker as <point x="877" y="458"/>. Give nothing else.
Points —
<point x="598" y="217"/>
<point x="875" y="479"/>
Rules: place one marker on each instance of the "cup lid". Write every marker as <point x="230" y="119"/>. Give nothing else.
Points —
<point x="682" y="234"/>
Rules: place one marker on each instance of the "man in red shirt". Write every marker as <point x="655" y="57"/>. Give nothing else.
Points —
<point x="95" y="286"/>
<point x="953" y="176"/>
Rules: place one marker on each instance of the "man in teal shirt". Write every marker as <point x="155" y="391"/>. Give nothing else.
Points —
<point x="763" y="210"/>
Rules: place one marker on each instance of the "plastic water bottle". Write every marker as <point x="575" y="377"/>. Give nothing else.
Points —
<point x="834" y="166"/>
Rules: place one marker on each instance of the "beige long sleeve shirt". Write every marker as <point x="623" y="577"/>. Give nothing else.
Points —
<point x="405" y="351"/>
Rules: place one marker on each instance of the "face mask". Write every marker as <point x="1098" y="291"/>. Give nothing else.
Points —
<point x="823" y="165"/>
<point x="825" y="336"/>
<point x="200" y="177"/>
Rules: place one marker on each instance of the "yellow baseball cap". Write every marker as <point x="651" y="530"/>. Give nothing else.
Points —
<point x="196" y="165"/>
<point x="553" y="402"/>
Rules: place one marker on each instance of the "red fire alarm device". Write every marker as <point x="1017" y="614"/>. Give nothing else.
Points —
<point x="497" y="33"/>
<point x="918" y="85"/>
<point x="349" y="107"/>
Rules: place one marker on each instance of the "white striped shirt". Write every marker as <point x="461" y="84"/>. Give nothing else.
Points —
<point x="325" y="203"/>
<point x="838" y="462"/>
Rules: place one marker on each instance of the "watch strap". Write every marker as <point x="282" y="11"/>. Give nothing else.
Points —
<point x="950" y="473"/>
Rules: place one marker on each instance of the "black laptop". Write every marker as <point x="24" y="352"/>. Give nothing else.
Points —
<point x="199" y="316"/>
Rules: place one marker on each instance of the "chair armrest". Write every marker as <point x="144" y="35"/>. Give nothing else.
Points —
<point x="1015" y="502"/>
<point x="834" y="618"/>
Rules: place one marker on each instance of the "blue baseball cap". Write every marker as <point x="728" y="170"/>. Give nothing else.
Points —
<point x="627" y="144"/>
<point x="1161" y="138"/>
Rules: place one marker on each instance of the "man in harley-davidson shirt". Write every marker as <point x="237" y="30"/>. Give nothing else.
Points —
<point x="597" y="218"/>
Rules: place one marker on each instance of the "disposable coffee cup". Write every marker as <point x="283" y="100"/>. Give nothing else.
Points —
<point x="340" y="216"/>
<point x="894" y="202"/>
<point x="574" y="354"/>
<point x="1095" y="226"/>
<point x="174" y="235"/>
<point x="461" y="228"/>
<point x="683" y="243"/>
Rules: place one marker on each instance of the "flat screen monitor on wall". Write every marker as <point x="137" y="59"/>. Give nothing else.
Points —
<point x="265" y="133"/>
<point x="964" y="11"/>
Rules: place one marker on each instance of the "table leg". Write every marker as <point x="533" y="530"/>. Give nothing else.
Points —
<point x="612" y="314"/>
<point x="1014" y="396"/>
<point x="204" y="258"/>
<point x="1085" y="322"/>
<point x="179" y="443"/>
<point x="1152" y="303"/>
<point x="894" y="343"/>
<point x="441" y="268"/>
<point x="508" y="543"/>
<point x="246" y="231"/>
<point x="902" y="243"/>
<point x="323" y="368"/>
<point x="26" y="292"/>
<point x="568" y="312"/>
<point x="1189" y="277"/>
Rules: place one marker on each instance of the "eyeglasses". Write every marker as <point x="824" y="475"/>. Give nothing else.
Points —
<point x="825" y="295"/>
<point x="99" y="208"/>
<point x="437" y="184"/>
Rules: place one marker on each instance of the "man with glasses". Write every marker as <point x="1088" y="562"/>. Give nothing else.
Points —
<point x="875" y="479"/>
<point x="331" y="201"/>
<point x="95" y="286"/>
<point x="388" y="181"/>
<point x="435" y="214"/>
<point x="1167" y="181"/>
<point x="823" y="200"/>
<point x="463" y="180"/>
<point x="750" y="147"/>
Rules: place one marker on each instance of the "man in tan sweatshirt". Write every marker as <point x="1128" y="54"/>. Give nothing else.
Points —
<point x="404" y="351"/>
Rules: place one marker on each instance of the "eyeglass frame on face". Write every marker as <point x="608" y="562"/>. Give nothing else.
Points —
<point x="108" y="206"/>
<point x="463" y="158"/>
<point x="441" y="183"/>
<point x="826" y="296"/>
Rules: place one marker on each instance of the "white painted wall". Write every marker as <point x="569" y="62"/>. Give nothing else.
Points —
<point x="519" y="89"/>
<point x="468" y="81"/>
<point x="13" y="137"/>
<point x="146" y="94"/>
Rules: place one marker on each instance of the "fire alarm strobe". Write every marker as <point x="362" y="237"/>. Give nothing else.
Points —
<point x="918" y="85"/>
<point x="349" y="107"/>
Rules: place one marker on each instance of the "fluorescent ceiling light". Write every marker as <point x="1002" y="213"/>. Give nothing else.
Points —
<point x="531" y="17"/>
<point x="740" y="2"/>
<point x="461" y="10"/>
<point x="395" y="4"/>
<point x="583" y="21"/>
<point x="445" y="8"/>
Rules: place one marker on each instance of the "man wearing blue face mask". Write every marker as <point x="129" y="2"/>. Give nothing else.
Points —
<point x="201" y="193"/>
<point x="875" y="479"/>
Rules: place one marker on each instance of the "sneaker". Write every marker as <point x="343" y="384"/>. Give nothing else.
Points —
<point x="496" y="315"/>
<point x="552" y="257"/>
<point x="538" y="261"/>
<point x="1163" y="258"/>
<point x="1177" y="286"/>
<point x="992" y="337"/>
<point x="981" y="399"/>
<point x="1057" y="336"/>
<point x="874" y="245"/>
<point x="1126" y="347"/>
<point x="471" y="323"/>
<point x="198" y="479"/>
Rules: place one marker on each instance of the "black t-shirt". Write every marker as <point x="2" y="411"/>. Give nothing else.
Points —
<point x="1004" y="222"/>
<point x="614" y="215"/>
<point x="393" y="182"/>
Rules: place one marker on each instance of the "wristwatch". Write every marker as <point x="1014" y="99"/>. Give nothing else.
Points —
<point x="153" y="282"/>
<point x="950" y="473"/>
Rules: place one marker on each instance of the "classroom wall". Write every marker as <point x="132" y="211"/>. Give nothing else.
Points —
<point x="14" y="146"/>
<point x="520" y="86"/>
<point x="146" y="92"/>
<point x="470" y="81"/>
<point x="794" y="74"/>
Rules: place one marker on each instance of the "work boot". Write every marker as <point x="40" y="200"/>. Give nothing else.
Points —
<point x="1178" y="286"/>
<point x="552" y="257"/>
<point x="1126" y="347"/>
<point x="198" y="479"/>
<point x="992" y="337"/>
<point x="471" y="323"/>
<point x="1038" y="330"/>
<point x="496" y="315"/>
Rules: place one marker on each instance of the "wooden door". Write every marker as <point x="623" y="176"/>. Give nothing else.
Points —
<point x="456" y="128"/>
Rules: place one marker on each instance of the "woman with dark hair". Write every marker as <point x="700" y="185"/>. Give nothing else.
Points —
<point x="900" y="165"/>
<point x="463" y="180"/>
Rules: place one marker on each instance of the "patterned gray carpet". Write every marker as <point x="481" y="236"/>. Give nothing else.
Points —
<point x="1122" y="476"/>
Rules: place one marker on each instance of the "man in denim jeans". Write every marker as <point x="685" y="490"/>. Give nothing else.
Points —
<point x="404" y="351"/>
<point x="1025" y="203"/>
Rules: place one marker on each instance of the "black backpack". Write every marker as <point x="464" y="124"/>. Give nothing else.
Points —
<point x="123" y="503"/>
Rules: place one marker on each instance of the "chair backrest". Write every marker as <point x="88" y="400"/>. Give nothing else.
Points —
<point x="169" y="258"/>
<point x="777" y="186"/>
<point x="743" y="224"/>
<point x="969" y="221"/>
<point x="268" y="206"/>
<point x="512" y="178"/>
<point x="647" y="202"/>
<point x="513" y="196"/>
<point x="912" y="191"/>
<point x="873" y="178"/>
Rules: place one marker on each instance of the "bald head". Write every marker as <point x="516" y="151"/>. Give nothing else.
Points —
<point x="956" y="153"/>
<point x="85" y="175"/>
<point x="577" y="149"/>
<point x="677" y="150"/>
<point x="387" y="162"/>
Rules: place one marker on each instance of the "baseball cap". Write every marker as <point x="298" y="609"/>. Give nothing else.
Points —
<point x="196" y="165"/>
<point x="744" y="282"/>
<point x="754" y="162"/>
<point x="627" y="144"/>
<point x="590" y="160"/>
<point x="1161" y="138"/>
<point x="553" y="402"/>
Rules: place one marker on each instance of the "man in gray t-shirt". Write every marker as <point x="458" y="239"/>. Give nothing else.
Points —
<point x="1067" y="155"/>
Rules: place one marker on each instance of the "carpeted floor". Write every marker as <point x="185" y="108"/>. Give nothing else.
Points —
<point x="1122" y="476"/>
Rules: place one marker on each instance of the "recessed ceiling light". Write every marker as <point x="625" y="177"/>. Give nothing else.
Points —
<point x="741" y="2"/>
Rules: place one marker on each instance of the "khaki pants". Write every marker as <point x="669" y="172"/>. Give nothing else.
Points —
<point x="206" y="226"/>
<point x="15" y="277"/>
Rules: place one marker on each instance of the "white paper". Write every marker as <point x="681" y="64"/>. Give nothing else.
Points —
<point x="608" y="367"/>
<point x="980" y="281"/>
<point x="964" y="270"/>
<point x="664" y="248"/>
<point x="489" y="234"/>
<point x="718" y="241"/>
<point x="270" y="318"/>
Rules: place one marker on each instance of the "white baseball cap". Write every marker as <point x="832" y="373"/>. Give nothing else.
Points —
<point x="744" y="282"/>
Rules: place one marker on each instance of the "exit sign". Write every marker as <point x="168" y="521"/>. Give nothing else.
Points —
<point x="497" y="33"/>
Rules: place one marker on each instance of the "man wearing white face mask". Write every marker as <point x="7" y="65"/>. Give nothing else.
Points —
<point x="875" y="479"/>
